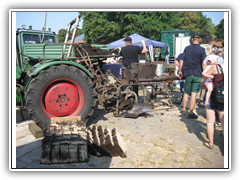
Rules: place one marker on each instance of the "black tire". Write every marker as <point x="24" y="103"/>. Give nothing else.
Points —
<point x="76" y="95"/>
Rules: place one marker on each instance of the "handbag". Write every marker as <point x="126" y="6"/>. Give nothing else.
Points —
<point x="218" y="90"/>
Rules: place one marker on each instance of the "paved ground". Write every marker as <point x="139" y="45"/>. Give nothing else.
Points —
<point x="162" y="138"/>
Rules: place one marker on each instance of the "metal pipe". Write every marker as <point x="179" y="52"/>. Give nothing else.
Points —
<point x="44" y="28"/>
<point x="74" y="34"/>
<point x="66" y="38"/>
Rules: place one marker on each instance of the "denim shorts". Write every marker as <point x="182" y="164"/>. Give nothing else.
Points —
<point x="213" y="105"/>
<point x="217" y="106"/>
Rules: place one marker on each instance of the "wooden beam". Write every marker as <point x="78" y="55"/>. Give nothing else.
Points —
<point x="65" y="119"/>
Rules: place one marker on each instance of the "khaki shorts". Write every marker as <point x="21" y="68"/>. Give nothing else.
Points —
<point x="192" y="84"/>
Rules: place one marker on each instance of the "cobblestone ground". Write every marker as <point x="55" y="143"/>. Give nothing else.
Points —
<point x="161" y="138"/>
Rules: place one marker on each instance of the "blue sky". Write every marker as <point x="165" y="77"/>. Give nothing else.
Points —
<point x="215" y="16"/>
<point x="60" y="20"/>
<point x="55" y="20"/>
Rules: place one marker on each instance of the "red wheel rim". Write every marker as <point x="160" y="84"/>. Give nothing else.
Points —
<point x="62" y="97"/>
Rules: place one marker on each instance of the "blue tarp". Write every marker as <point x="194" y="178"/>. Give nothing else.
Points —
<point x="136" y="38"/>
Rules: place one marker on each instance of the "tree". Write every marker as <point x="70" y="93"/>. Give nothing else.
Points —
<point x="62" y="33"/>
<point x="212" y="30"/>
<point x="207" y="30"/>
<point x="220" y="31"/>
<point x="191" y="21"/>
<point x="199" y="23"/>
<point x="105" y="27"/>
<point x="155" y="22"/>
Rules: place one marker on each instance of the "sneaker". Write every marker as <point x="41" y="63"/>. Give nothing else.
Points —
<point x="194" y="116"/>
<point x="218" y="124"/>
<point x="183" y="112"/>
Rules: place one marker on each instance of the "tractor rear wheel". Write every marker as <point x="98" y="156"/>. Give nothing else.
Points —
<point x="60" y="91"/>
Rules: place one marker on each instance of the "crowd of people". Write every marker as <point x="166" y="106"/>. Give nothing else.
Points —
<point x="196" y="68"/>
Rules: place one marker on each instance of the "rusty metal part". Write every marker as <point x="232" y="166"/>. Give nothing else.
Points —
<point x="113" y="95"/>
<point x="144" y="70"/>
<point x="123" y="103"/>
<point x="165" y="86"/>
<point x="138" y="109"/>
<point x="83" y="57"/>
<point x="159" y="78"/>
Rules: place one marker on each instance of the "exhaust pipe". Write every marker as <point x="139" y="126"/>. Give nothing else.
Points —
<point x="66" y="38"/>
<point x="74" y="34"/>
<point x="77" y="19"/>
<point x="44" y="28"/>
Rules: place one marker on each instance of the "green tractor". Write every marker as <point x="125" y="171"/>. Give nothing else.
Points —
<point x="49" y="81"/>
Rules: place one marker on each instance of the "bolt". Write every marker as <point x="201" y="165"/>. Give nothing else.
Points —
<point x="60" y="105"/>
<point x="66" y="104"/>
<point x="56" y="100"/>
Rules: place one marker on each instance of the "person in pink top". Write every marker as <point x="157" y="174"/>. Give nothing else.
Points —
<point x="207" y="79"/>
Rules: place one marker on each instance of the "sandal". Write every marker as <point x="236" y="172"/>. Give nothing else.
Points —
<point x="208" y="145"/>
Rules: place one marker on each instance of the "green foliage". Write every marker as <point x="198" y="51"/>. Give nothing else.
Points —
<point x="106" y="27"/>
<point x="191" y="20"/>
<point x="62" y="33"/>
<point x="155" y="22"/>
<point x="220" y="31"/>
<point x="103" y="27"/>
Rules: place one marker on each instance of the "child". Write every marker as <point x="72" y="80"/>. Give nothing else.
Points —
<point x="210" y="60"/>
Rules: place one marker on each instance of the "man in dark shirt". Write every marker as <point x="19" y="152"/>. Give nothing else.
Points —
<point x="191" y="67"/>
<point x="130" y="54"/>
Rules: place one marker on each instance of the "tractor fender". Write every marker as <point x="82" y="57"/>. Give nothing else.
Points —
<point x="53" y="63"/>
<point x="42" y="66"/>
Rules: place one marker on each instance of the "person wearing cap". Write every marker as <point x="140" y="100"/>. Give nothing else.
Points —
<point x="130" y="54"/>
<point x="191" y="67"/>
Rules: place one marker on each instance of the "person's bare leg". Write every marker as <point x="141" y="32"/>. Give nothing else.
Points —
<point x="192" y="102"/>
<point x="185" y="100"/>
<point x="221" y="118"/>
<point x="210" y="125"/>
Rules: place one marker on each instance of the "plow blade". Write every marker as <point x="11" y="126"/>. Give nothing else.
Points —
<point x="138" y="109"/>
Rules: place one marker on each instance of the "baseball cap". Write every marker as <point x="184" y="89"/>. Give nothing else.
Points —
<point x="127" y="39"/>
<point x="196" y="35"/>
